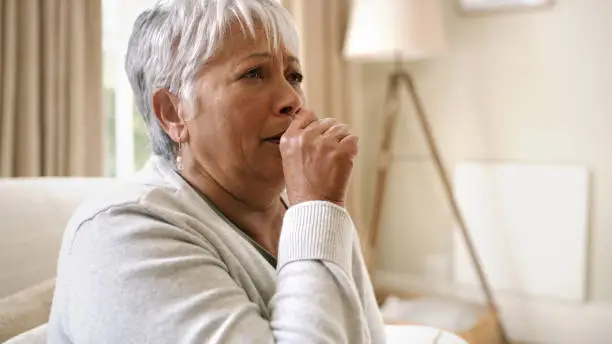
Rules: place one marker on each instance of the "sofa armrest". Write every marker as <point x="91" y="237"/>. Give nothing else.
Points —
<point x="25" y="309"/>
<point x="37" y="335"/>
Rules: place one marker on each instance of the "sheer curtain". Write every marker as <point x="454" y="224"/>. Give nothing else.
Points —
<point x="330" y="80"/>
<point x="51" y="118"/>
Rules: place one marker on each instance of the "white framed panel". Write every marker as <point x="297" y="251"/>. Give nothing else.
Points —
<point x="529" y="224"/>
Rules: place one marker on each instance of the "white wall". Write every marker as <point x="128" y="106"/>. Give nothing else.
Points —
<point x="529" y="87"/>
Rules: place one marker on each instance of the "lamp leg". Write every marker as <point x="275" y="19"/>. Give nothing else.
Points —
<point x="390" y="115"/>
<point x="422" y="118"/>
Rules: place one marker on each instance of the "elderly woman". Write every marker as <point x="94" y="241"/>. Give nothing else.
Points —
<point x="203" y="245"/>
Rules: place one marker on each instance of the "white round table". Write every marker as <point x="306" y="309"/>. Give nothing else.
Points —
<point x="414" y="334"/>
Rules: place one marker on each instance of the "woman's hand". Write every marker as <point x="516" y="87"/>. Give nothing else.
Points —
<point x="317" y="158"/>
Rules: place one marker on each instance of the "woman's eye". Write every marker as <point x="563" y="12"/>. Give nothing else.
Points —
<point x="295" y="77"/>
<point x="254" y="73"/>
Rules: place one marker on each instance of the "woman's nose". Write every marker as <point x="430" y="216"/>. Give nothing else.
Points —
<point x="289" y="100"/>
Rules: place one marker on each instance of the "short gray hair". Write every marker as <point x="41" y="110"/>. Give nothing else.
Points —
<point x="172" y="41"/>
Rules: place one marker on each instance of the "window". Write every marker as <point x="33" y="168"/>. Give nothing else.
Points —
<point x="126" y="135"/>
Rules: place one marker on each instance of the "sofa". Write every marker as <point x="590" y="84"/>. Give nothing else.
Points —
<point x="33" y="215"/>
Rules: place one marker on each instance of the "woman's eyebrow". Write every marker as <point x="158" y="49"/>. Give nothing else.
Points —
<point x="267" y="55"/>
<point x="257" y="56"/>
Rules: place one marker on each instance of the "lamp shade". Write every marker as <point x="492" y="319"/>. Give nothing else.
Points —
<point x="383" y="30"/>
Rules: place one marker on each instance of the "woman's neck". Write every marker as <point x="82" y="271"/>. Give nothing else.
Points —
<point x="255" y="207"/>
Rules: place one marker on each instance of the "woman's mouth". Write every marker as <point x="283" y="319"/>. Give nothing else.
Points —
<point x="274" y="140"/>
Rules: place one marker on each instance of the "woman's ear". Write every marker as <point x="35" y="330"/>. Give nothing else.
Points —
<point x="167" y="110"/>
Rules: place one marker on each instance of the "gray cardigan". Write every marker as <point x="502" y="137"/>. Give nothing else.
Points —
<point x="152" y="262"/>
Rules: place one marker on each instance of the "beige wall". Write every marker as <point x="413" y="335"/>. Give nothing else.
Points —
<point x="528" y="87"/>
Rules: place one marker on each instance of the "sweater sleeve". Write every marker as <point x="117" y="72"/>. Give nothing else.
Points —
<point x="323" y="285"/>
<point x="137" y="279"/>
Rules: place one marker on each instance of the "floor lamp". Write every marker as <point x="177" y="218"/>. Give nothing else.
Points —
<point x="399" y="31"/>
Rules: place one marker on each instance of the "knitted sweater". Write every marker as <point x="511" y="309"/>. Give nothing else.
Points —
<point x="152" y="262"/>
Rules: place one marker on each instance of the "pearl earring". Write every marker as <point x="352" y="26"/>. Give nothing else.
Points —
<point x="179" y="159"/>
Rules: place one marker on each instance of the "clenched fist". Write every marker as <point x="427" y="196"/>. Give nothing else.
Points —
<point x="317" y="159"/>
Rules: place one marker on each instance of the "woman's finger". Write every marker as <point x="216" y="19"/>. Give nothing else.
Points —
<point x="304" y="119"/>
<point x="350" y="144"/>
<point x="323" y="125"/>
<point x="337" y="132"/>
<point x="317" y="128"/>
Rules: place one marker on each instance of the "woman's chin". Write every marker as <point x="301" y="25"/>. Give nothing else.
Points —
<point x="275" y="173"/>
<point x="271" y="169"/>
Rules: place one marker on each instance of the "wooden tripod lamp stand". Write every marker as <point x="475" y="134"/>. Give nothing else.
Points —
<point x="405" y="30"/>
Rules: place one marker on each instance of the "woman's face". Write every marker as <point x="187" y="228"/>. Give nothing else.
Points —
<point x="246" y="96"/>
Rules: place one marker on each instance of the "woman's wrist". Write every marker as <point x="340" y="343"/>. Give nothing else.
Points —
<point x="316" y="230"/>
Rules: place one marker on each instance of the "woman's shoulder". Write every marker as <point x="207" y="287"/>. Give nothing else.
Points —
<point x="149" y="198"/>
<point x="155" y="185"/>
<point x="122" y="195"/>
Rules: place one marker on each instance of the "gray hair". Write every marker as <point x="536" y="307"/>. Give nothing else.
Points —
<point x="171" y="42"/>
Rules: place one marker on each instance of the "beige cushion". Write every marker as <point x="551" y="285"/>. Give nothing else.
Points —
<point x="34" y="213"/>
<point x="26" y="309"/>
<point x="36" y="335"/>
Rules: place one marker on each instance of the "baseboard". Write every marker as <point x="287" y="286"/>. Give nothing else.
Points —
<point x="526" y="320"/>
